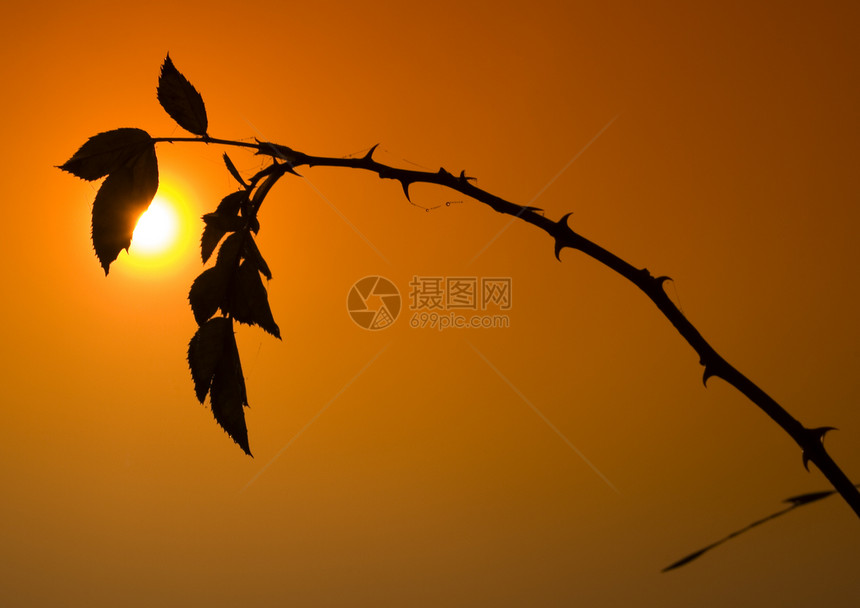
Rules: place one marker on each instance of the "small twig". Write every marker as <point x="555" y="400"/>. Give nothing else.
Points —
<point x="796" y="501"/>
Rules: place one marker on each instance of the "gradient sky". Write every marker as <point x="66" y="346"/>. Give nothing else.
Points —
<point x="428" y="479"/>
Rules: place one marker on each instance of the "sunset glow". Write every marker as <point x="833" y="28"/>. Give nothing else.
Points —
<point x="489" y="425"/>
<point x="163" y="234"/>
<point x="157" y="229"/>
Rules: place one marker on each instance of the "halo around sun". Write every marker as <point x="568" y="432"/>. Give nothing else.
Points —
<point x="162" y="236"/>
<point x="156" y="230"/>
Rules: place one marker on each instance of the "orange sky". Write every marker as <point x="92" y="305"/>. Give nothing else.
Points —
<point x="428" y="479"/>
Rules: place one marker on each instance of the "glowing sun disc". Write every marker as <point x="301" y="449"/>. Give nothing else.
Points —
<point x="157" y="229"/>
<point x="162" y="238"/>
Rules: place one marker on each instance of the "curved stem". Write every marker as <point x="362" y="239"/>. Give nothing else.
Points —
<point x="206" y="140"/>
<point x="809" y="440"/>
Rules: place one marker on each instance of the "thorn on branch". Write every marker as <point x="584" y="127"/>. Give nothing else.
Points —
<point x="559" y="236"/>
<point x="713" y="366"/>
<point x="405" y="184"/>
<point x="815" y="436"/>
<point x="466" y="178"/>
<point x="369" y="155"/>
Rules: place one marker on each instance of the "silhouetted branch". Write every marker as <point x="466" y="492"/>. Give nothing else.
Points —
<point x="796" y="501"/>
<point x="809" y="439"/>
<point x="233" y="286"/>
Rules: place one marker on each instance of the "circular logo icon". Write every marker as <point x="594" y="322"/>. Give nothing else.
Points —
<point x="373" y="303"/>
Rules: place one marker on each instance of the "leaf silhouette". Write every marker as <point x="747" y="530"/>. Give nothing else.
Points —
<point x="181" y="100"/>
<point x="212" y="235"/>
<point x="224" y="223"/>
<point x="249" y="301"/>
<point x="207" y="293"/>
<point x="232" y="203"/>
<point x="122" y="198"/>
<point x="204" y="353"/>
<point x="228" y="255"/>
<point x="223" y="220"/>
<point x="209" y="290"/>
<point x="253" y="254"/>
<point x="227" y="394"/>
<point x="106" y="152"/>
<point x="216" y="370"/>
<point x="234" y="171"/>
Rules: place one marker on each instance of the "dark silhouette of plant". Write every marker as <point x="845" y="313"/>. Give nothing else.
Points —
<point x="232" y="290"/>
<point x="794" y="502"/>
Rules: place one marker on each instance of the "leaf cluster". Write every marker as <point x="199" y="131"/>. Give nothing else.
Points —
<point x="127" y="157"/>
<point x="232" y="288"/>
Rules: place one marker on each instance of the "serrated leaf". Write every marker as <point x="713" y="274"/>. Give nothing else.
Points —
<point x="205" y="351"/>
<point x="122" y="198"/>
<point x="253" y="254"/>
<point x="212" y="235"/>
<point x="249" y="301"/>
<point x="207" y="292"/>
<point x="227" y="394"/>
<point x="217" y="371"/>
<point x="228" y="255"/>
<point x="181" y="100"/>
<point x="106" y="152"/>
<point x="227" y="223"/>
<point x="219" y="223"/>
<point x="232" y="203"/>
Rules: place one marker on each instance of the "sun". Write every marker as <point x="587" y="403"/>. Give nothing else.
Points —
<point x="156" y="229"/>
<point x="162" y="236"/>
